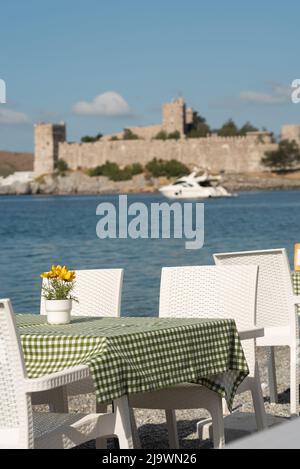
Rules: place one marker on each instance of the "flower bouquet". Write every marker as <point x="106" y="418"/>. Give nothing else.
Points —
<point x="57" y="291"/>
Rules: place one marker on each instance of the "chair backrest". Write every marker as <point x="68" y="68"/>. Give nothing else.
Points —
<point x="275" y="290"/>
<point x="15" y="406"/>
<point x="98" y="291"/>
<point x="212" y="292"/>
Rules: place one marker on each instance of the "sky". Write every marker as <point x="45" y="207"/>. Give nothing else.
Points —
<point x="102" y="66"/>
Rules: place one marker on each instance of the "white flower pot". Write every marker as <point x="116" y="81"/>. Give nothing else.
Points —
<point x="59" y="311"/>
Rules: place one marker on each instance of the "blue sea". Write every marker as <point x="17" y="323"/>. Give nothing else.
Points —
<point x="36" y="232"/>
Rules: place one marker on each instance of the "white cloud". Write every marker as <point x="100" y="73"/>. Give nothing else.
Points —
<point x="277" y="94"/>
<point x="109" y="104"/>
<point x="9" y="116"/>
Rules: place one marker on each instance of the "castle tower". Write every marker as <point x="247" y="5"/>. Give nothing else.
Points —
<point x="174" y="116"/>
<point x="291" y="132"/>
<point x="189" y="116"/>
<point x="46" y="146"/>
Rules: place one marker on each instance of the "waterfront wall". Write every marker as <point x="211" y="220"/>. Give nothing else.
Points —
<point x="230" y="154"/>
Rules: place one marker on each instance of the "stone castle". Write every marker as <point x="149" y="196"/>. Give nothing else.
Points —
<point x="229" y="154"/>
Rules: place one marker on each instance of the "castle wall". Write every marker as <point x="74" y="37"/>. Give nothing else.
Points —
<point x="145" y="133"/>
<point x="148" y="132"/>
<point x="232" y="154"/>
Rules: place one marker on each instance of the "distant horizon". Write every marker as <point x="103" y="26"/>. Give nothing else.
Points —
<point x="102" y="67"/>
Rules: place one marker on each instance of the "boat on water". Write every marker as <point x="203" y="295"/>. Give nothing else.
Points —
<point x="194" y="186"/>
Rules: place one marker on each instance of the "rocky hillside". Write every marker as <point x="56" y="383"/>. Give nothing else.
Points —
<point x="11" y="162"/>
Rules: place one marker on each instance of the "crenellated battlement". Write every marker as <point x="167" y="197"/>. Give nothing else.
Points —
<point x="232" y="154"/>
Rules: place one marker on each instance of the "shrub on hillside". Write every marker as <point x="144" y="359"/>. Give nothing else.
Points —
<point x="61" y="166"/>
<point x="129" y="135"/>
<point x="114" y="173"/>
<point x="108" y="169"/>
<point x="169" y="169"/>
<point x="162" y="135"/>
<point x="174" y="135"/>
<point x="89" y="139"/>
<point x="134" y="169"/>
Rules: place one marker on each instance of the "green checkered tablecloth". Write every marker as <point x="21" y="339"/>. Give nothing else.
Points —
<point x="296" y="285"/>
<point x="130" y="355"/>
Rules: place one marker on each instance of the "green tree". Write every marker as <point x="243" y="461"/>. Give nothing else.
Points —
<point x="162" y="135"/>
<point x="114" y="138"/>
<point x="199" y="128"/>
<point x="129" y="135"/>
<point x="89" y="139"/>
<point x="285" y="157"/>
<point x="248" y="127"/>
<point x="229" y="129"/>
<point x="174" y="135"/>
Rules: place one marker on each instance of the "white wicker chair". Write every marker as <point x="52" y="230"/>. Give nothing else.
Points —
<point x="210" y="292"/>
<point x="20" y="428"/>
<point x="99" y="293"/>
<point x="276" y="310"/>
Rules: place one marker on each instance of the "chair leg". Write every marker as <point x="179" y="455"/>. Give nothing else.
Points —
<point x="258" y="403"/>
<point x="225" y="408"/>
<point x="122" y="423"/>
<point x="172" y="429"/>
<point x="216" y="412"/>
<point x="134" y="429"/>
<point x="272" y="375"/>
<point x="101" y="443"/>
<point x="204" y="428"/>
<point x="59" y="401"/>
<point x="294" y="377"/>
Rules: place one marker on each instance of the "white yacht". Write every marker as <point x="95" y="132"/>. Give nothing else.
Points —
<point x="195" y="187"/>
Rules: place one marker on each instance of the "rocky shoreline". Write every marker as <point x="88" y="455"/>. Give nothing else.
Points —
<point x="77" y="182"/>
<point x="262" y="181"/>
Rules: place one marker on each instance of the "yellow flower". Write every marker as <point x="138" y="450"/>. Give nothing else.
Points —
<point x="60" y="273"/>
<point x="46" y="274"/>
<point x="70" y="277"/>
<point x="56" y="270"/>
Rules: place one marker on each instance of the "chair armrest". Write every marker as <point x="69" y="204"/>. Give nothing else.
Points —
<point x="296" y="299"/>
<point x="254" y="333"/>
<point x="57" y="380"/>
